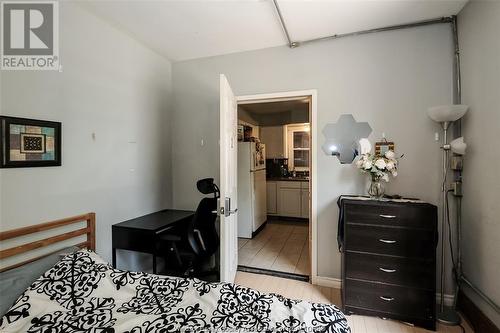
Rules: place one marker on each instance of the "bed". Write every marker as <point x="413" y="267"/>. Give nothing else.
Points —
<point x="83" y="293"/>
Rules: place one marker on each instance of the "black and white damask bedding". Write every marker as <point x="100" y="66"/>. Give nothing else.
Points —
<point x="82" y="293"/>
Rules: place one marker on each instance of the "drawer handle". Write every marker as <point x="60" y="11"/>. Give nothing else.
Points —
<point x="387" y="216"/>
<point x="387" y="270"/>
<point x="387" y="299"/>
<point x="387" y="241"/>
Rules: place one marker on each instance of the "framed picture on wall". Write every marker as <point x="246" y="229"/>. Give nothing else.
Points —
<point x="29" y="143"/>
<point x="382" y="147"/>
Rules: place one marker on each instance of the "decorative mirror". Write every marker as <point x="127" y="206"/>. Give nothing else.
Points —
<point x="341" y="138"/>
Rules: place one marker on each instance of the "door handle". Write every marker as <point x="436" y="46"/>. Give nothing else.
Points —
<point x="387" y="270"/>
<point x="226" y="210"/>
<point x="387" y="241"/>
<point x="387" y="299"/>
<point x="387" y="216"/>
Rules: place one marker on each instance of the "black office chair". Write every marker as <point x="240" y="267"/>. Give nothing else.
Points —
<point x="194" y="246"/>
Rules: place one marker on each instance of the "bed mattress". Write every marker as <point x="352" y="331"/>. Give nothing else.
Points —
<point x="82" y="293"/>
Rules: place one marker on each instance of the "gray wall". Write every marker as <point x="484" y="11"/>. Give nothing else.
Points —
<point x="247" y="116"/>
<point x="479" y="25"/>
<point x="114" y="87"/>
<point x="388" y="79"/>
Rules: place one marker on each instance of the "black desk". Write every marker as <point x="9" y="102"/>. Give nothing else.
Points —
<point x="140" y="234"/>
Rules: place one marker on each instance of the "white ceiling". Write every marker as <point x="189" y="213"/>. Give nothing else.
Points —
<point x="188" y="29"/>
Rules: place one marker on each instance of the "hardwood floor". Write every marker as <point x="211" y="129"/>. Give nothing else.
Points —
<point x="308" y="292"/>
<point x="280" y="246"/>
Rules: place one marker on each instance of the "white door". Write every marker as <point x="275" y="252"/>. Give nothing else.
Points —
<point x="228" y="182"/>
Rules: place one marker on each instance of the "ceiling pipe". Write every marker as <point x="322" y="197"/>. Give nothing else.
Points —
<point x="382" y="29"/>
<point x="292" y="44"/>
<point x="283" y="25"/>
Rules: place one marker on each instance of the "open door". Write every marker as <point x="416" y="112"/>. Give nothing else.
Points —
<point x="228" y="182"/>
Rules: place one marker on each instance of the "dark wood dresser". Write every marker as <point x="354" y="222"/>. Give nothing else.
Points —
<point x="389" y="259"/>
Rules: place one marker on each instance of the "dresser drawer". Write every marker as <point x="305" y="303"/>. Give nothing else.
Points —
<point x="398" y="271"/>
<point x="416" y="243"/>
<point x="391" y="299"/>
<point x="413" y="216"/>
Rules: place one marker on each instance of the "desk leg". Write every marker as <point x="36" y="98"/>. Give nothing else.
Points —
<point x="114" y="257"/>
<point x="154" y="263"/>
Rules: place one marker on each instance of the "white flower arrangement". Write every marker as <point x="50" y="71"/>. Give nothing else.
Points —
<point x="379" y="167"/>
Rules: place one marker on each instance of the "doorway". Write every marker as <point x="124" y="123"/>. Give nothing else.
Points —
<point x="277" y="212"/>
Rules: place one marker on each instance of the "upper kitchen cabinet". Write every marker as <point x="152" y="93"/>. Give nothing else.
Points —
<point x="298" y="146"/>
<point x="273" y="137"/>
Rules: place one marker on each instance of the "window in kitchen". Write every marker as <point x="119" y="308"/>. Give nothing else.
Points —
<point x="298" y="147"/>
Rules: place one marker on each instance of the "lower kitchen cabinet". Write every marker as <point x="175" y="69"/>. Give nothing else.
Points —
<point x="288" y="198"/>
<point x="272" y="198"/>
<point x="304" y="203"/>
<point x="289" y="202"/>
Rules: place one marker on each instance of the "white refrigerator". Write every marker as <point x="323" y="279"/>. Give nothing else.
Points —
<point x="252" y="210"/>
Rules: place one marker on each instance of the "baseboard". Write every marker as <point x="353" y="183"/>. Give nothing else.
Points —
<point x="478" y="320"/>
<point x="327" y="282"/>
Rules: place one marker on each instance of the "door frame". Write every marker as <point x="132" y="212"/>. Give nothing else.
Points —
<point x="312" y="94"/>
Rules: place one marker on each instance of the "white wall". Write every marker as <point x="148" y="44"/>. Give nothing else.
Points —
<point x="388" y="79"/>
<point x="112" y="86"/>
<point x="479" y="25"/>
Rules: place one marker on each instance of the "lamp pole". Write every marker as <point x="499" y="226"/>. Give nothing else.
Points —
<point x="443" y="210"/>
<point x="446" y="315"/>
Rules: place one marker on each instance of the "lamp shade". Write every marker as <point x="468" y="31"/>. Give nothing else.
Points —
<point x="447" y="113"/>
<point x="458" y="146"/>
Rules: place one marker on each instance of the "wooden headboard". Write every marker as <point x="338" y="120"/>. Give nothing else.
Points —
<point x="89" y="231"/>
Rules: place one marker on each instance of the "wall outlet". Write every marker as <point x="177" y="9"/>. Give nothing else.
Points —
<point x="456" y="187"/>
<point x="457" y="163"/>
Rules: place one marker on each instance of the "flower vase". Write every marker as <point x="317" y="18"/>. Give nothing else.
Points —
<point x="376" y="190"/>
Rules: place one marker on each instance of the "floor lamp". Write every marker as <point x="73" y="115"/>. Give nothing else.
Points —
<point x="446" y="115"/>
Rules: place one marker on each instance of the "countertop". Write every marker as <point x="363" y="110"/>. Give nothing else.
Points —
<point x="287" y="179"/>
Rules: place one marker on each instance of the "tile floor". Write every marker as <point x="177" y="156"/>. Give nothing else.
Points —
<point x="280" y="246"/>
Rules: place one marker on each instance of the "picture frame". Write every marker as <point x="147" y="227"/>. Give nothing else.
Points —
<point x="28" y="142"/>
<point x="383" y="146"/>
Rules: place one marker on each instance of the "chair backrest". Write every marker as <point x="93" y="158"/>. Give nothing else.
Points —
<point x="202" y="233"/>
<point x="207" y="186"/>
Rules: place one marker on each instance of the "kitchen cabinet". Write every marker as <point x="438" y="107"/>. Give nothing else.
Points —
<point x="304" y="203"/>
<point x="288" y="198"/>
<point x="272" y="198"/>
<point x="289" y="202"/>
<point x="273" y="138"/>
